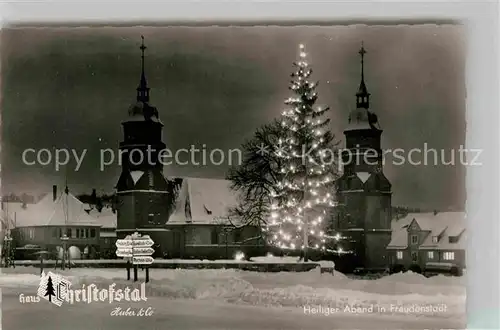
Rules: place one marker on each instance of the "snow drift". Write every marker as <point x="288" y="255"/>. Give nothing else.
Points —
<point x="276" y="289"/>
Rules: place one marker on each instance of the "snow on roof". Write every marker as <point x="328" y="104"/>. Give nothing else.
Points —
<point x="362" y="119"/>
<point x="442" y="225"/>
<point x="179" y="215"/>
<point x="11" y="208"/>
<point x="203" y="201"/>
<point x="65" y="210"/>
<point x="399" y="240"/>
<point x="107" y="234"/>
<point x="452" y="224"/>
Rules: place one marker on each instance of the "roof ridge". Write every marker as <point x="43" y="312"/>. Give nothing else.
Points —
<point x="57" y="201"/>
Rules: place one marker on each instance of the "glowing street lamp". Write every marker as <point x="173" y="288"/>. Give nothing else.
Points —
<point x="64" y="240"/>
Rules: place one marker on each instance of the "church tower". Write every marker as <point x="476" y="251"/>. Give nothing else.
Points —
<point x="364" y="193"/>
<point x="142" y="190"/>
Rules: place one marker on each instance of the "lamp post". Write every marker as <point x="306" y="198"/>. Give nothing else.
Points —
<point x="64" y="240"/>
<point x="8" y="250"/>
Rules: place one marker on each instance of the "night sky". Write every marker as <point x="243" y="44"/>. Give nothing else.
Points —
<point x="71" y="88"/>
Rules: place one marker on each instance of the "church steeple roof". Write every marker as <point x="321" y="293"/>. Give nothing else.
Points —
<point x="142" y="110"/>
<point x="142" y="89"/>
<point x="362" y="96"/>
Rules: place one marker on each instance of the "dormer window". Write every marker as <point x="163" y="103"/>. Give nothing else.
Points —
<point x="414" y="239"/>
<point x="435" y="239"/>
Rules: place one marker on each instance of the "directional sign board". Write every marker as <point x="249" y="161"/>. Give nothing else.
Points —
<point x="142" y="260"/>
<point x="124" y="253"/>
<point x="124" y="247"/>
<point x="136" y="247"/>
<point x="143" y="251"/>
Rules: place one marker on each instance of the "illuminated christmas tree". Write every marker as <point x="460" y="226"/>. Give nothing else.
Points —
<point x="304" y="195"/>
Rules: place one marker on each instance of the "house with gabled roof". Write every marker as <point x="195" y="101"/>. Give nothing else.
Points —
<point x="430" y="242"/>
<point x="200" y="223"/>
<point x="44" y="223"/>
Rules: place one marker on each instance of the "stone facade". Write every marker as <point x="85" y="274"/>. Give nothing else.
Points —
<point x="364" y="193"/>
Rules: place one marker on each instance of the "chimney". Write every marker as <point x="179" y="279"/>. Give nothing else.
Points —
<point x="435" y="212"/>
<point x="93" y="197"/>
<point x="54" y="193"/>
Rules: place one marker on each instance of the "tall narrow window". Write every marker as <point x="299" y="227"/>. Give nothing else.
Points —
<point x="237" y="236"/>
<point x="399" y="255"/>
<point x="215" y="236"/>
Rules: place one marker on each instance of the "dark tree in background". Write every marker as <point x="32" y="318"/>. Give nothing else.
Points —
<point x="255" y="178"/>
<point x="50" y="289"/>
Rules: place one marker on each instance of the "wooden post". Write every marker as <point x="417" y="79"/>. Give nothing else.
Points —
<point x="128" y="270"/>
<point x="147" y="274"/>
<point x="12" y="256"/>
<point x="63" y="264"/>
<point x="135" y="273"/>
<point x="69" y="260"/>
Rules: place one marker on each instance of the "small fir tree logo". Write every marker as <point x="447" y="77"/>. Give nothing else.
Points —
<point x="50" y="289"/>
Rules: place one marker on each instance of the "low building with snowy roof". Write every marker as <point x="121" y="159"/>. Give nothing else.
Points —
<point x="433" y="241"/>
<point x="43" y="224"/>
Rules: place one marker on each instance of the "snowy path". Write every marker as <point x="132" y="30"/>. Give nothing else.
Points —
<point x="183" y="314"/>
<point x="236" y="300"/>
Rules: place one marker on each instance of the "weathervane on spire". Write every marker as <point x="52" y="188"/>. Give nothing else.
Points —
<point x="362" y="96"/>
<point x="362" y="52"/>
<point x="142" y="48"/>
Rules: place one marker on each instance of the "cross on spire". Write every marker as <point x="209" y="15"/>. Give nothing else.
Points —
<point x="362" y="96"/>
<point x="143" y="90"/>
<point x="362" y="51"/>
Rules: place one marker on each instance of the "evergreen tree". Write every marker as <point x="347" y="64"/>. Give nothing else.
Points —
<point x="50" y="289"/>
<point x="304" y="194"/>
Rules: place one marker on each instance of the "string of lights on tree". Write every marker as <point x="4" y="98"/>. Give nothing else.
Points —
<point x="303" y="196"/>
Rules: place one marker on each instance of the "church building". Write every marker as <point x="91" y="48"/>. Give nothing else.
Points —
<point x="185" y="217"/>
<point x="364" y="193"/>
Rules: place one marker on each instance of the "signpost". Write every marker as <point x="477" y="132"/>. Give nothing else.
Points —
<point x="138" y="249"/>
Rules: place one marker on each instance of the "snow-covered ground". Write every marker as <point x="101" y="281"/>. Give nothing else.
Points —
<point x="284" y="295"/>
